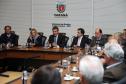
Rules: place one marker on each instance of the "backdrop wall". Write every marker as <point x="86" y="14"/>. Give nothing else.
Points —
<point x="67" y="14"/>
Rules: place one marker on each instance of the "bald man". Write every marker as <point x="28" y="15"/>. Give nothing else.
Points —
<point x="98" y="39"/>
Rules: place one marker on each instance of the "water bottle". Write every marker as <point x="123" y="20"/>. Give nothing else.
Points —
<point x="24" y="77"/>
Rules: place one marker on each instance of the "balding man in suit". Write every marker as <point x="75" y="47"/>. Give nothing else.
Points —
<point x="98" y="39"/>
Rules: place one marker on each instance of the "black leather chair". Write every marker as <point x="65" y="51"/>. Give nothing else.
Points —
<point x="16" y="37"/>
<point x="61" y="33"/>
<point x="86" y="36"/>
<point x="43" y="40"/>
<point x="41" y="33"/>
<point x="106" y="36"/>
<point x="65" y="40"/>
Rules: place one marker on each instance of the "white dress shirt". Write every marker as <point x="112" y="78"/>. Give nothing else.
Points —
<point x="79" y="41"/>
<point x="55" y="39"/>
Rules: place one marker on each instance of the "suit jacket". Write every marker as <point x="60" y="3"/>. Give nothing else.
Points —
<point x="115" y="73"/>
<point x="38" y="41"/>
<point x="13" y="39"/>
<point x="100" y="41"/>
<point x="60" y="40"/>
<point x="0" y="40"/>
<point x="84" y="41"/>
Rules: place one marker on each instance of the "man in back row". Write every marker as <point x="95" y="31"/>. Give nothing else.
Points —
<point x="56" y="39"/>
<point x="99" y="38"/>
<point x="80" y="40"/>
<point x="8" y="37"/>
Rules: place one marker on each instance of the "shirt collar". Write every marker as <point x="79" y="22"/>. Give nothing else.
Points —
<point x="113" y="65"/>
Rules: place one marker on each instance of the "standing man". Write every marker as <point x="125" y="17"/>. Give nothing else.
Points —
<point x="9" y="37"/>
<point x="56" y="39"/>
<point x="80" y="40"/>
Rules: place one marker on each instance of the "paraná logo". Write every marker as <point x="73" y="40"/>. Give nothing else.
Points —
<point x="61" y="7"/>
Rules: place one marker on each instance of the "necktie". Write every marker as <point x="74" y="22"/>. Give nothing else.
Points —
<point x="55" y="39"/>
<point x="32" y="40"/>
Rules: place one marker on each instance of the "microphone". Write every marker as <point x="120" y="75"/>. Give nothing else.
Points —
<point x="30" y="29"/>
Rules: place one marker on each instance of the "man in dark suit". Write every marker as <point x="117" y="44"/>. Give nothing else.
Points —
<point x="56" y="40"/>
<point x="9" y="37"/>
<point x="114" y="59"/>
<point x="98" y="39"/>
<point x="0" y="40"/>
<point x="80" y="40"/>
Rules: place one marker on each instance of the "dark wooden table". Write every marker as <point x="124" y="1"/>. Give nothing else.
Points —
<point x="43" y="54"/>
<point x="65" y="71"/>
<point x="37" y="52"/>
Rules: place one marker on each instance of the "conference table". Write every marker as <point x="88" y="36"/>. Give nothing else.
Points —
<point x="63" y="73"/>
<point x="42" y="53"/>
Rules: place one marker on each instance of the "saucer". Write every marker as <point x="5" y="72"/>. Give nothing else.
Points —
<point x="68" y="78"/>
<point x="74" y="70"/>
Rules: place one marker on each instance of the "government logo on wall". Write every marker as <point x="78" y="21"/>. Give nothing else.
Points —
<point x="60" y="12"/>
<point x="61" y="9"/>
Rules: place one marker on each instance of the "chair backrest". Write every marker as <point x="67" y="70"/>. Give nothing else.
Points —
<point x="86" y="36"/>
<point x="106" y="35"/>
<point x="43" y="40"/>
<point x="41" y="33"/>
<point x="61" y="33"/>
<point x="65" y="40"/>
<point x="13" y="32"/>
<point x="16" y="37"/>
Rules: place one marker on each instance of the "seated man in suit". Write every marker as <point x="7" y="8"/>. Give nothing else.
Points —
<point x="91" y="70"/>
<point x="114" y="59"/>
<point x="34" y="39"/>
<point x="0" y="40"/>
<point x="46" y="75"/>
<point x="80" y="40"/>
<point x="8" y="37"/>
<point x="98" y="39"/>
<point x="56" y="40"/>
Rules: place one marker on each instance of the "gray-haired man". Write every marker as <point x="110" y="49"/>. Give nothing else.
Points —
<point x="116" y="68"/>
<point x="91" y="69"/>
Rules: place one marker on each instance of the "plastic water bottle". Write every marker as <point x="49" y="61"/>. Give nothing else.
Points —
<point x="24" y="77"/>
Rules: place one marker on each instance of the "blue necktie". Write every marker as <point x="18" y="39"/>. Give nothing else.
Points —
<point x="55" y="39"/>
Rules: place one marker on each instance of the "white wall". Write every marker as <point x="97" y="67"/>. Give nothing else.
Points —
<point x="22" y="14"/>
<point x="16" y="13"/>
<point x="79" y="15"/>
<point x="110" y="15"/>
